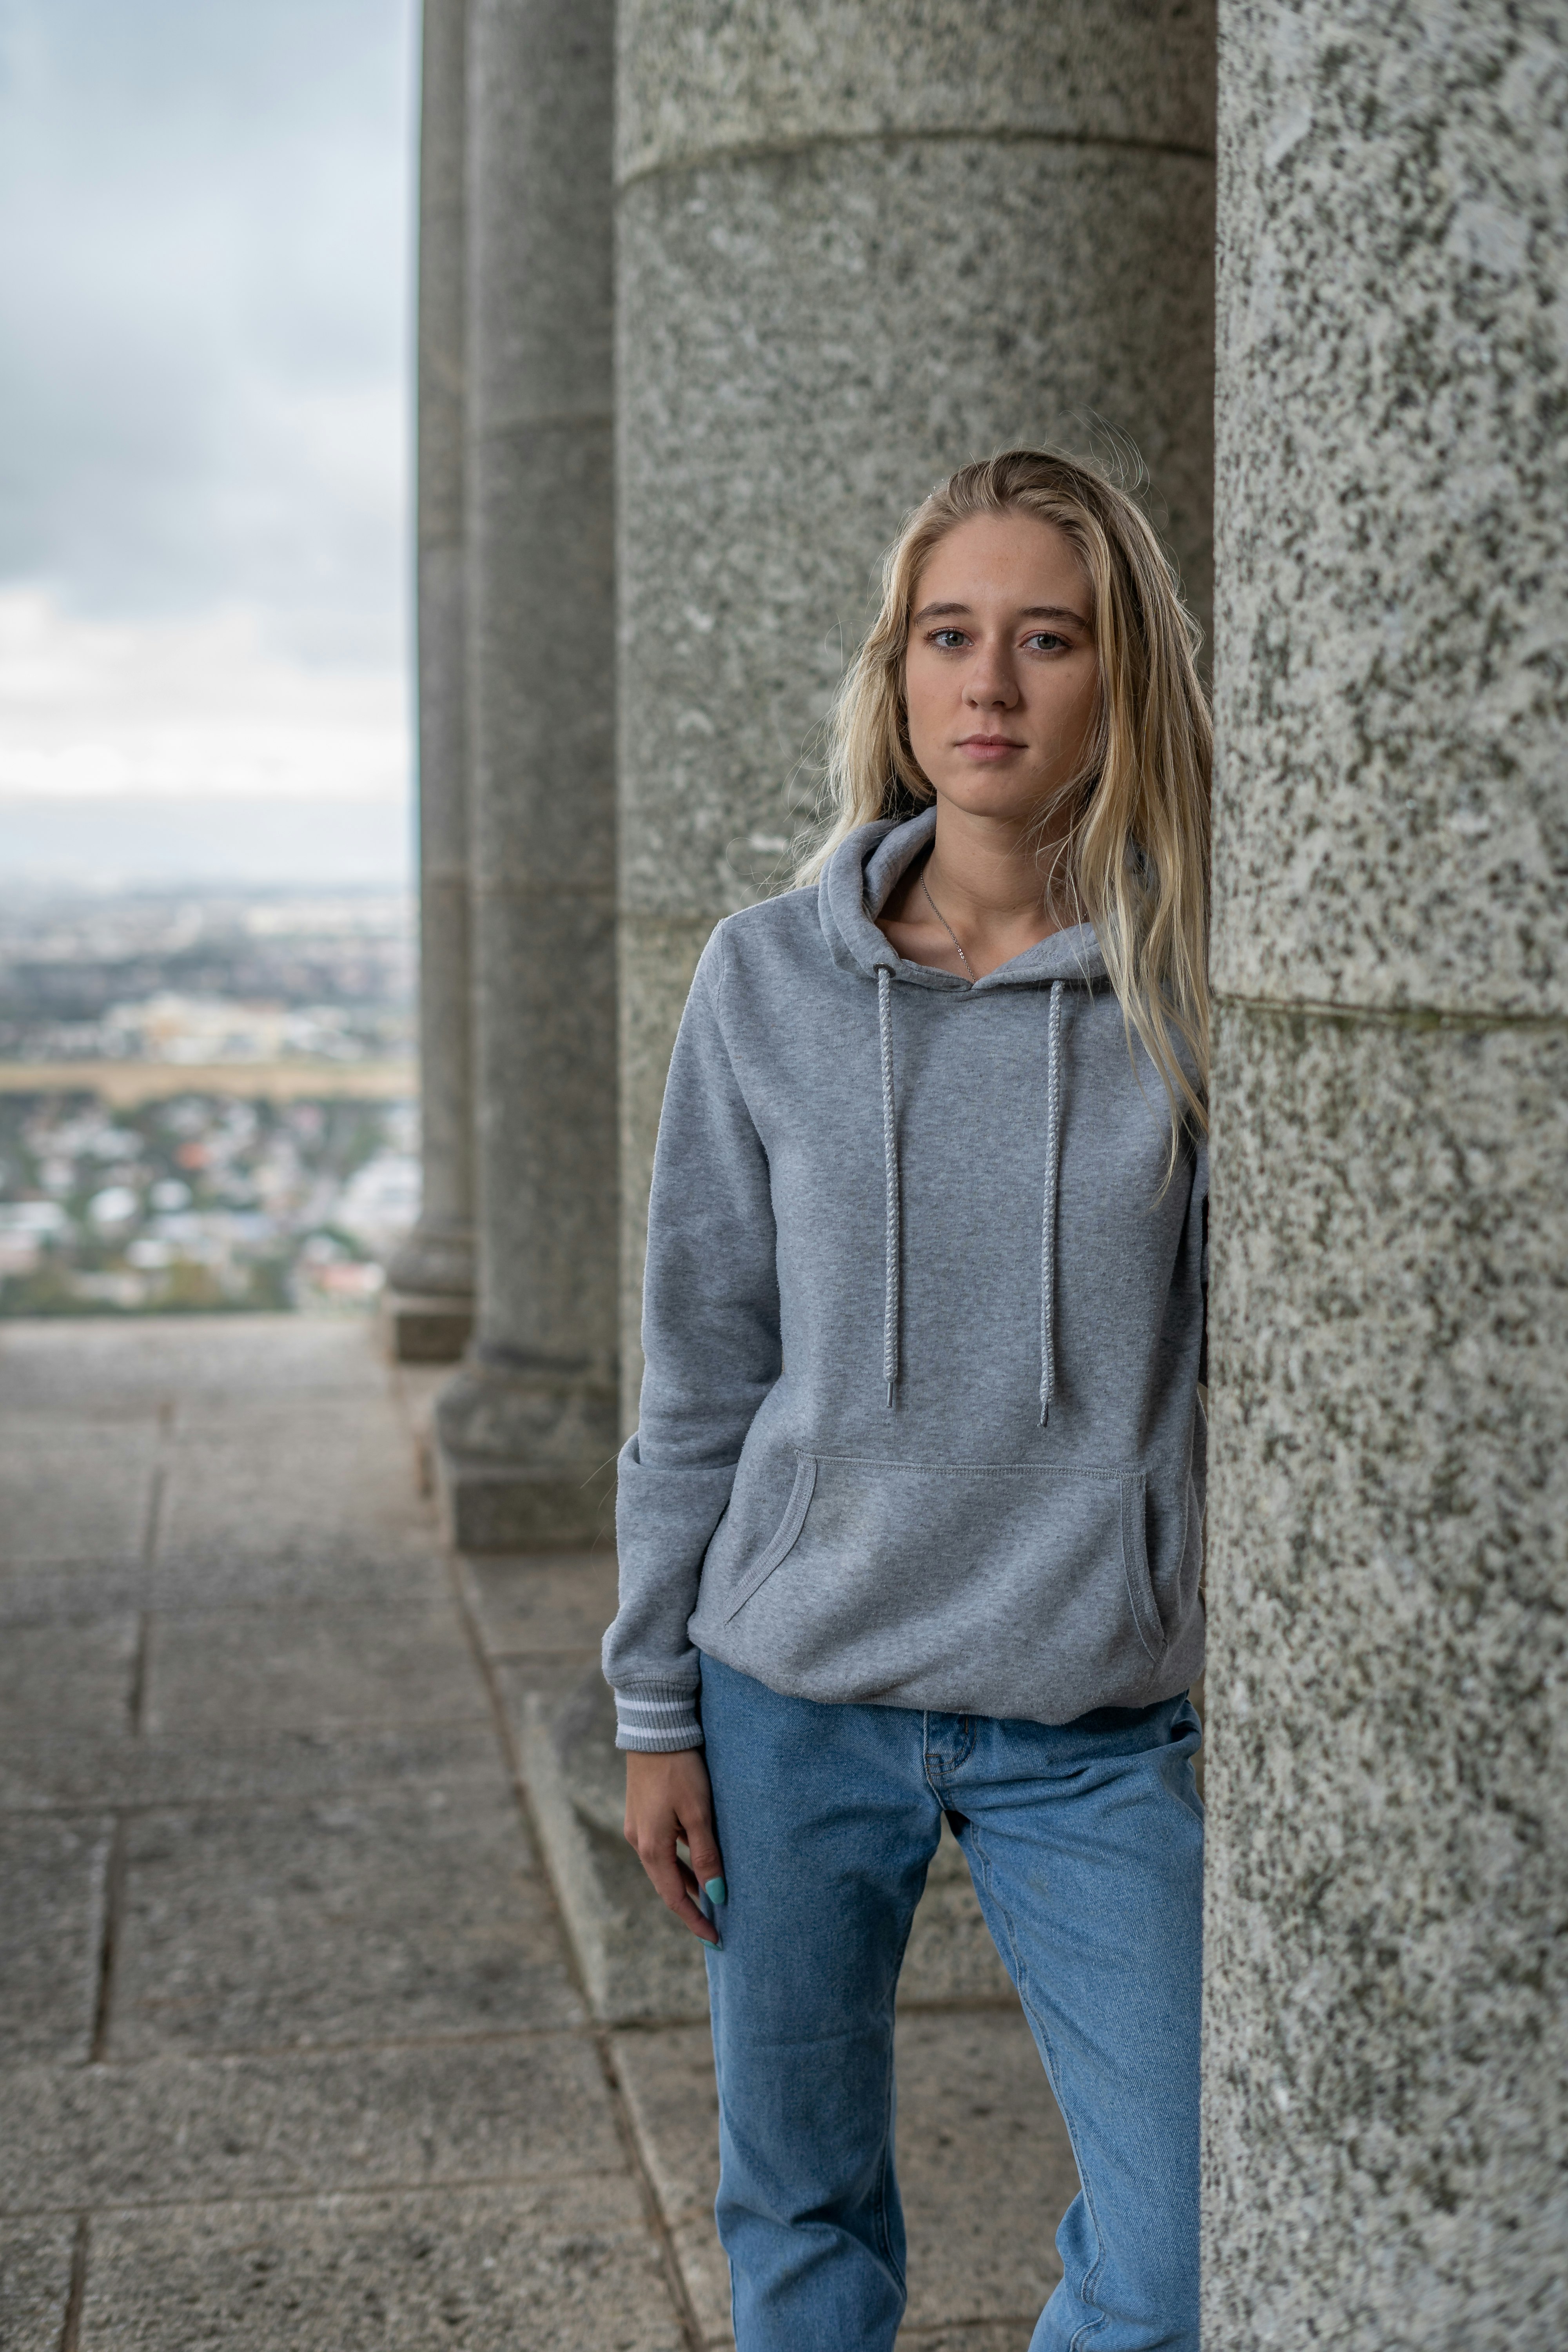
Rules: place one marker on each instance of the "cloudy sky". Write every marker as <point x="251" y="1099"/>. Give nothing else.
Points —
<point x="205" y="272"/>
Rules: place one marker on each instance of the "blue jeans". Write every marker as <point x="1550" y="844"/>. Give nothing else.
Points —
<point x="1085" y="1842"/>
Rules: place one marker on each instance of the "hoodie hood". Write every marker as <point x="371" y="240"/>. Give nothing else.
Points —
<point x="857" y="882"/>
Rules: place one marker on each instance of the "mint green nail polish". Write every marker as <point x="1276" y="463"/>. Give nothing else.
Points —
<point x="716" y="1891"/>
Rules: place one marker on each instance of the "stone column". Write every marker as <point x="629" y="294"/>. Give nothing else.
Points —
<point x="430" y="1306"/>
<point x="1388" y="1583"/>
<point x="527" y="1428"/>
<point x="860" y="241"/>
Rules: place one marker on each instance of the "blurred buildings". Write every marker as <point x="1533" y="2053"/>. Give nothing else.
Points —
<point x="205" y="1102"/>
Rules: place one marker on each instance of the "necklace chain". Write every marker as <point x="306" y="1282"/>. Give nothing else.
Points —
<point x="947" y="927"/>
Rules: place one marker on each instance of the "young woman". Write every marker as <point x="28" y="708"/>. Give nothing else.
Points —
<point x="912" y="1523"/>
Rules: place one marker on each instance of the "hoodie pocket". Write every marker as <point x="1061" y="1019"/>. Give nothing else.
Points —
<point x="884" y="1575"/>
<point x="784" y="1539"/>
<point x="1135" y="1563"/>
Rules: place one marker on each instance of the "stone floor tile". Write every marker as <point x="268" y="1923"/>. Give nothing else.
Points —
<point x="331" y="1443"/>
<point x="307" y="1498"/>
<point x="34" y="2281"/>
<point x="560" y="1601"/>
<point x="546" y="1672"/>
<point x="72" y="1680"/>
<point x="51" y="1925"/>
<point x="221" y="1366"/>
<point x="251" y="1766"/>
<point x="325" y="1566"/>
<point x="78" y="1371"/>
<point x="667" y="2076"/>
<point x="392" y="1913"/>
<point x="365" y="1432"/>
<point x="338" y="1569"/>
<point x="228" y="1672"/>
<point x="43" y="1411"/>
<point x="79" y="1365"/>
<point x="171" y="2129"/>
<point x="82" y="1498"/>
<point x="417" y="1386"/>
<point x="986" y="2168"/>
<point x="551" y="2269"/>
<point x="363" y="1440"/>
<point x="667" y="2080"/>
<point x="705" y="2275"/>
<point x="57" y="1592"/>
<point x="136" y="1418"/>
<point x="362" y="1414"/>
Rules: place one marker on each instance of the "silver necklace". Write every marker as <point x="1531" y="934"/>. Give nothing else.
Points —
<point x="947" y="927"/>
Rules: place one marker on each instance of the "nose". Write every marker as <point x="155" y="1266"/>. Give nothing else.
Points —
<point x="991" y="685"/>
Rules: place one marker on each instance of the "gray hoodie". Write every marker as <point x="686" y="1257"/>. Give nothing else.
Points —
<point x="923" y="1326"/>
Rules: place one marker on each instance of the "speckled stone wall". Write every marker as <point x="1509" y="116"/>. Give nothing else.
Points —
<point x="1385" y="2112"/>
<point x="529" y="1423"/>
<point x="1391" y="466"/>
<point x="439" y="1255"/>
<point x="859" y="244"/>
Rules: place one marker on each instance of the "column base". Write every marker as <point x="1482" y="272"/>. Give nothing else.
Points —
<point x="437" y="1258"/>
<point x="518" y="1510"/>
<point x="524" y="1463"/>
<point x="428" y="1308"/>
<point x="426" y="1328"/>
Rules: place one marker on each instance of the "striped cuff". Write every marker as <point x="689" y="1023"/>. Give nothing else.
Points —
<point x="655" y="1718"/>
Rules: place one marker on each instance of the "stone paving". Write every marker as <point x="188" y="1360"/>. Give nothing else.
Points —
<point x="294" y="2053"/>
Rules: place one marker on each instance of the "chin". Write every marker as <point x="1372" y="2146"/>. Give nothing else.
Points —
<point x="994" y="792"/>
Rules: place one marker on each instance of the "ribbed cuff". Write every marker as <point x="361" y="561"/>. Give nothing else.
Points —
<point x="655" y="1718"/>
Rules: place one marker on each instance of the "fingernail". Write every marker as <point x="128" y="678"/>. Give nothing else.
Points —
<point x="716" y="1891"/>
<point x="717" y="1945"/>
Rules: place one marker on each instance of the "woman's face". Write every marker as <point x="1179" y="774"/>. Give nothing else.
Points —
<point x="1001" y="676"/>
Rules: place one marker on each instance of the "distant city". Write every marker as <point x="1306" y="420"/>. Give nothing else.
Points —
<point x="207" y="1100"/>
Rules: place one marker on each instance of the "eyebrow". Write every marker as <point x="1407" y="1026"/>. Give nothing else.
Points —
<point x="1029" y="612"/>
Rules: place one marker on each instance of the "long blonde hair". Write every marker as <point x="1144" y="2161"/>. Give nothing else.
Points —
<point x="1137" y="857"/>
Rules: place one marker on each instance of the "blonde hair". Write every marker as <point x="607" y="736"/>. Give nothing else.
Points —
<point x="1137" y="857"/>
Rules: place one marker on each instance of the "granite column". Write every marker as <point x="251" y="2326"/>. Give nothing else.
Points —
<point x="431" y="1280"/>
<point x="1385" y="2086"/>
<point x="860" y="242"/>
<point x="527" y="1428"/>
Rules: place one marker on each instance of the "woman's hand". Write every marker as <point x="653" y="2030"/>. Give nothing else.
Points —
<point x="668" y="1796"/>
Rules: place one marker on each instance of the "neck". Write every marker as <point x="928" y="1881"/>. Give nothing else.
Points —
<point x="992" y="874"/>
<point x="979" y="899"/>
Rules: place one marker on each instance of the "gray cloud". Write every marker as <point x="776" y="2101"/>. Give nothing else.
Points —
<point x="204" y="281"/>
